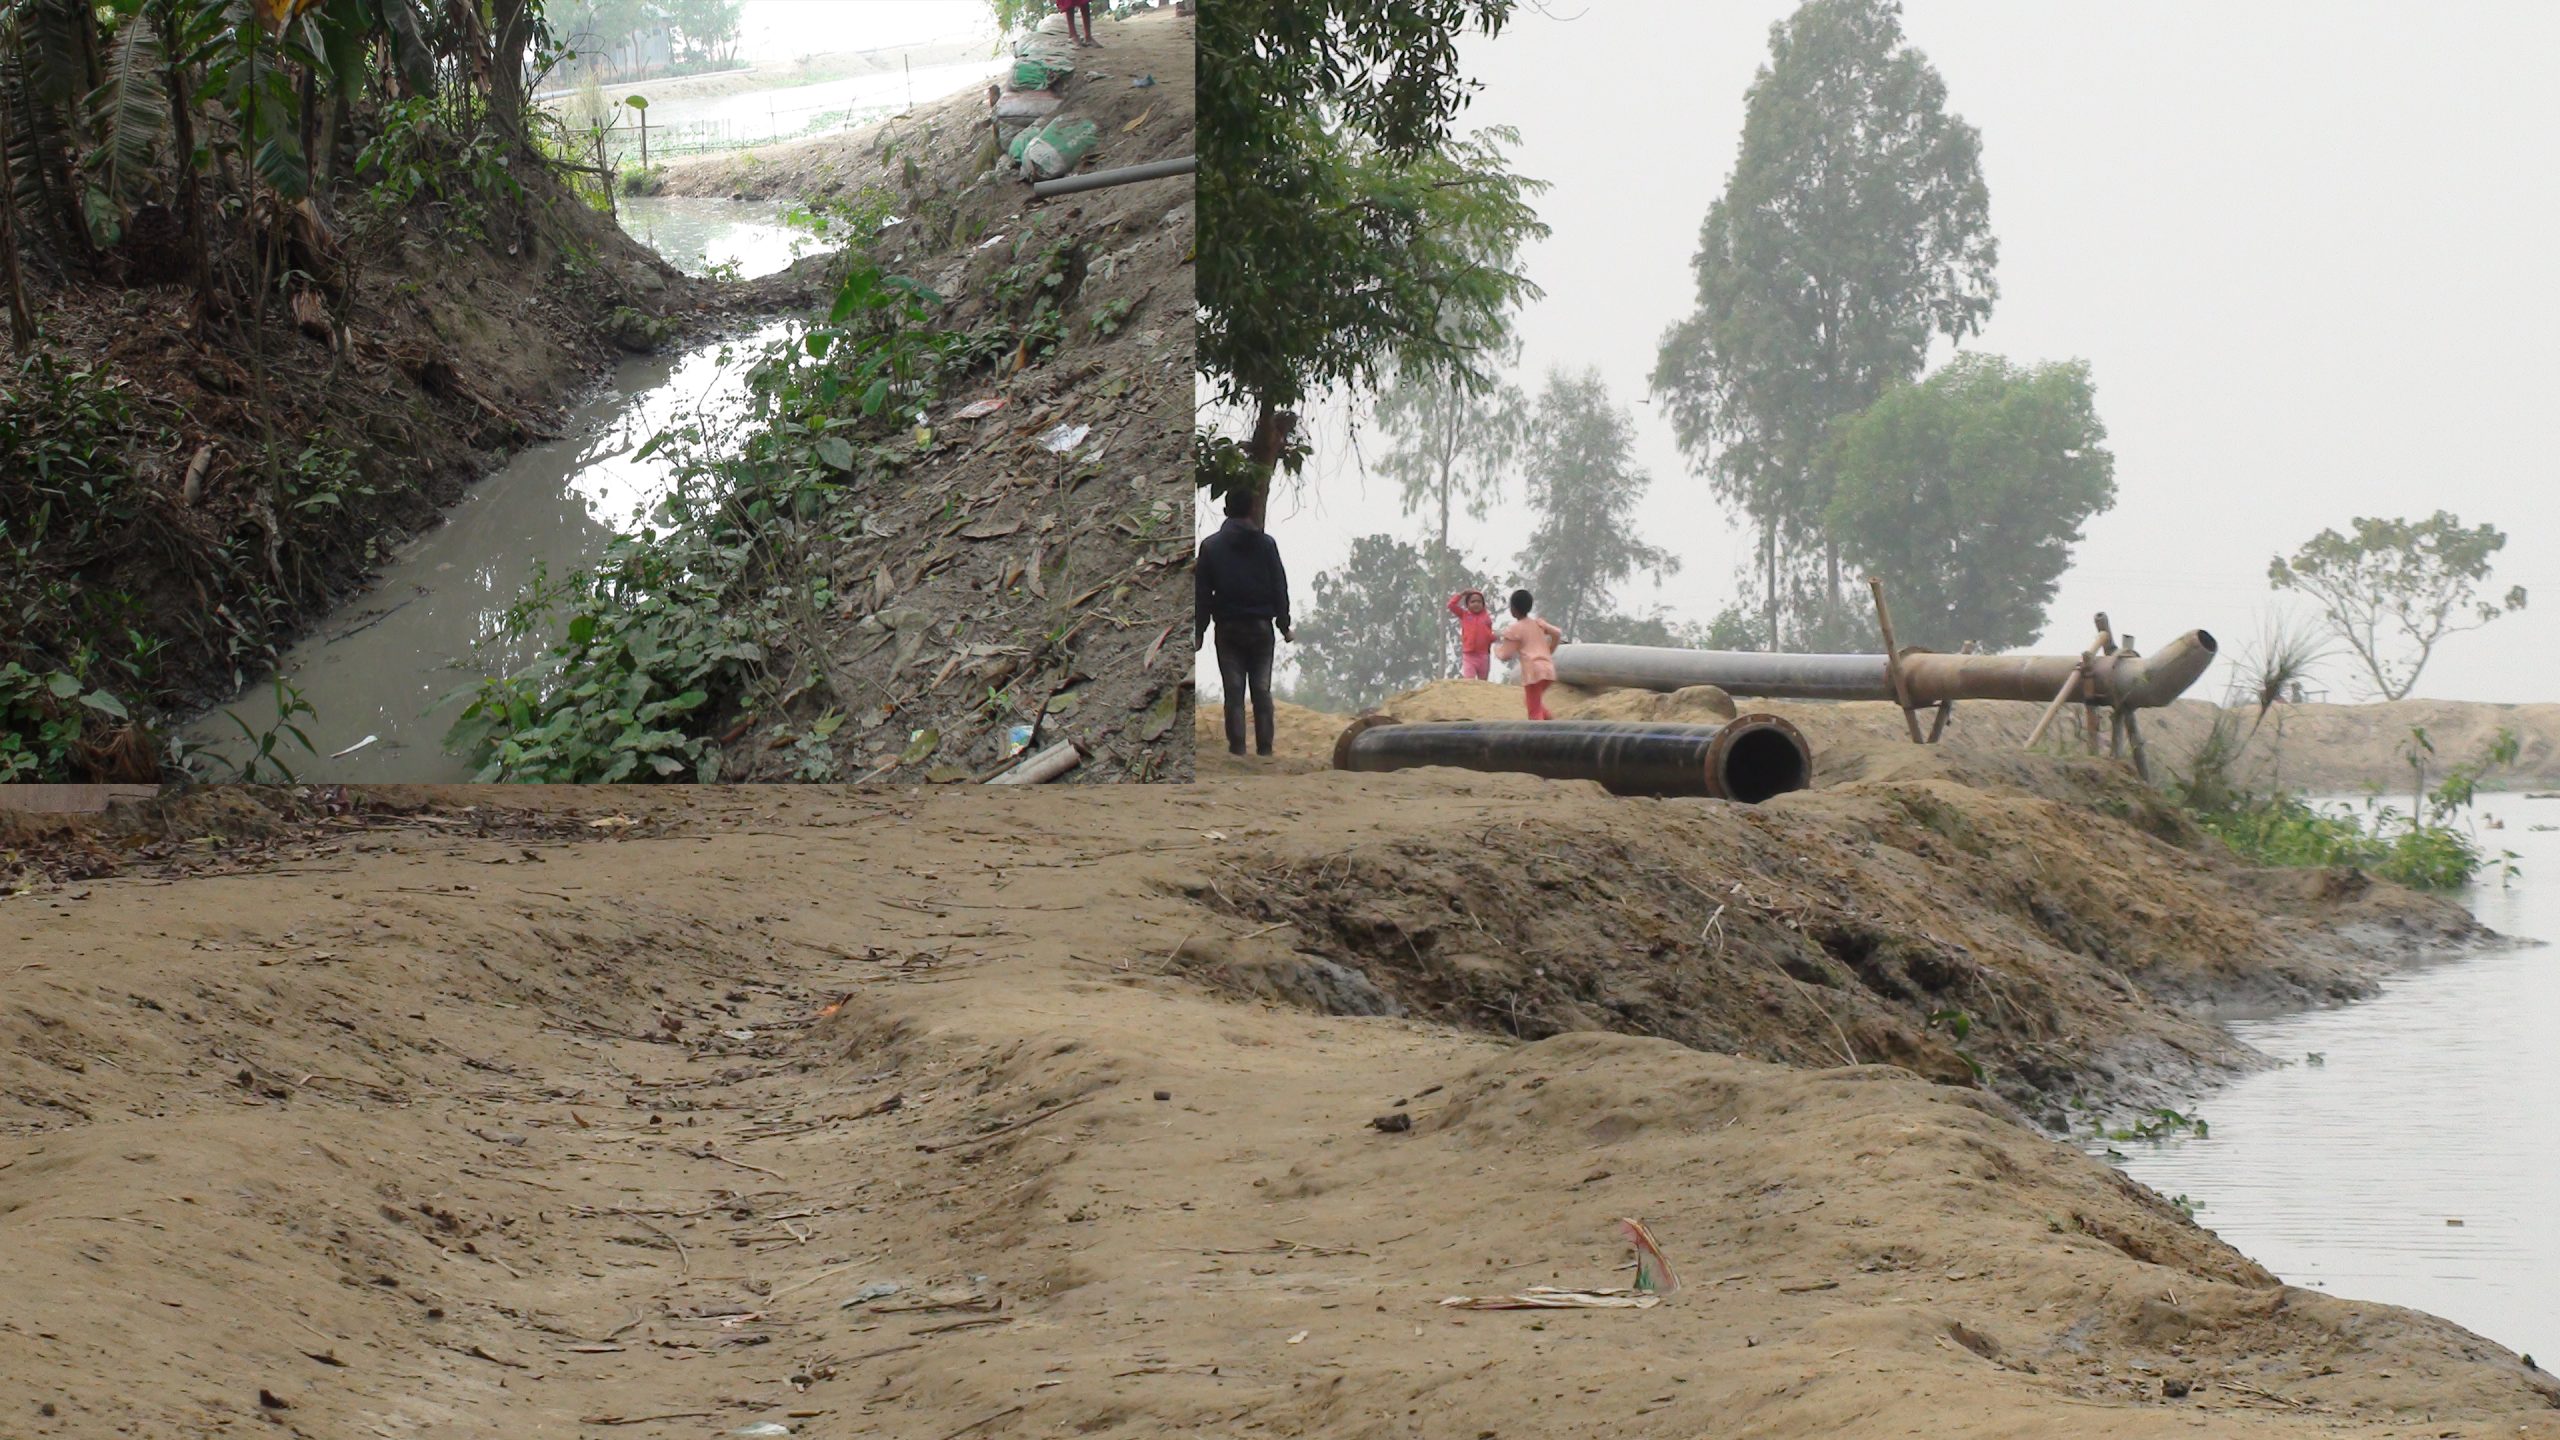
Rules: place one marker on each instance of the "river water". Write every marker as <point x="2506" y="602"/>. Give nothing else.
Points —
<point x="2425" y="1105"/>
<point x="383" y="669"/>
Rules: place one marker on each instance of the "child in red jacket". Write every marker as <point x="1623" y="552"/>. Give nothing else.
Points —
<point x="1475" y="634"/>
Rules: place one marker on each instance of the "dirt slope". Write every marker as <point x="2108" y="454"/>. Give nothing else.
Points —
<point x="621" y="1112"/>
<point x="441" y="354"/>
<point x="2318" y="748"/>
<point x="995" y="582"/>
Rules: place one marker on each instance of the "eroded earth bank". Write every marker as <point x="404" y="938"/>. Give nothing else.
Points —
<point x="594" y="1112"/>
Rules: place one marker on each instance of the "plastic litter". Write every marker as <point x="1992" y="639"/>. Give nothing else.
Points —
<point x="1653" y="1273"/>
<point x="1143" y="82"/>
<point x="876" y="1290"/>
<point x="1653" y="1281"/>
<point x="1060" y="439"/>
<point x="1028" y="105"/>
<point x="763" y="1427"/>
<point x="1548" y="1297"/>
<point x="1059" y="147"/>
<point x="1017" y="738"/>
<point x="978" y="409"/>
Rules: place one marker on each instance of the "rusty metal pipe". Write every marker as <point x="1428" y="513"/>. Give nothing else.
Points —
<point x="2123" y="679"/>
<point x="1749" y="758"/>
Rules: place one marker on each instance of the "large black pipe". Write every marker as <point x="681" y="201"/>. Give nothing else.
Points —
<point x="1748" y="758"/>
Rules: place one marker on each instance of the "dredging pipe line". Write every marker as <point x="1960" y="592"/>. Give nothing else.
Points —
<point x="1105" y="179"/>
<point x="2123" y="680"/>
<point x="1749" y="758"/>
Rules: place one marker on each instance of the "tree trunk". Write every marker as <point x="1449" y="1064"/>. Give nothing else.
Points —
<point x="310" y="135"/>
<point x="1271" y="427"/>
<point x="22" y="325"/>
<point x="190" y="203"/>
<point x="510" y="35"/>
<point x="1769" y="564"/>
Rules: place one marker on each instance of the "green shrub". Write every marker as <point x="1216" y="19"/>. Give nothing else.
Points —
<point x="667" y="628"/>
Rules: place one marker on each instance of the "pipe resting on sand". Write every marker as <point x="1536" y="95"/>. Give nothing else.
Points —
<point x="2125" y="681"/>
<point x="1749" y="758"/>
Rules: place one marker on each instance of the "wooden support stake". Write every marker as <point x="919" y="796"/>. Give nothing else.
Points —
<point x="1893" y="660"/>
<point x="1946" y="708"/>
<point x="2133" y="732"/>
<point x="2062" y="697"/>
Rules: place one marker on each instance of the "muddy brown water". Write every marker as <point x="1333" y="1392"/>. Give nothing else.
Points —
<point x="382" y="670"/>
<point x="385" y="670"/>
<point x="2405" y="1150"/>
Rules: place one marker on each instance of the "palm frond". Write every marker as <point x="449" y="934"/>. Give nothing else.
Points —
<point x="407" y="32"/>
<point x="39" y="140"/>
<point x="47" y="35"/>
<point x="130" y="112"/>
<point x="281" y="164"/>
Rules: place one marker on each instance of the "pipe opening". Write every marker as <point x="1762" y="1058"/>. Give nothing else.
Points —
<point x="2205" y="639"/>
<point x="1761" y="762"/>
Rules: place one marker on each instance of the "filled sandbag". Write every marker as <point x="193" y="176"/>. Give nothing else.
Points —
<point x="1059" y="147"/>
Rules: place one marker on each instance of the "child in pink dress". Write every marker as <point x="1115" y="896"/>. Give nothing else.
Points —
<point x="1475" y="634"/>
<point x="1532" y="642"/>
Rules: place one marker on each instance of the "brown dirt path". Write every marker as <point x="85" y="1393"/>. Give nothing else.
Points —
<point x="506" y="1121"/>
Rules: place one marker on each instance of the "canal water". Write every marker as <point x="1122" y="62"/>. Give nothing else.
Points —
<point x="383" y="672"/>
<point x="699" y="235"/>
<point x="2405" y="1150"/>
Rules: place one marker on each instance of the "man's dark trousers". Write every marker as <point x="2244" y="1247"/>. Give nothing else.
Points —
<point x="1245" y="648"/>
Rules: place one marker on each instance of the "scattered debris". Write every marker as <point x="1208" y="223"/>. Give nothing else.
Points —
<point x="1653" y="1282"/>
<point x="1060" y="439"/>
<point x="1547" y="1297"/>
<point x="1048" y="765"/>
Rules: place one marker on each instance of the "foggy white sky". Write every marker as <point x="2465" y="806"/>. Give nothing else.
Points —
<point x="2308" y="248"/>
<point x="774" y="30"/>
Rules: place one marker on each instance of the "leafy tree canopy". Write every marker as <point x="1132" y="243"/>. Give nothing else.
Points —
<point x="1966" y="493"/>
<point x="2394" y="589"/>
<point x="1376" y="628"/>
<point x="1451" y="448"/>
<point x="1350" y="232"/>
<point x="1855" y="227"/>
<point x="1584" y="488"/>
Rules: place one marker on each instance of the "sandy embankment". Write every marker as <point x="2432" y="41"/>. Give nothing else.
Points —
<point x="2313" y="748"/>
<point x="465" y="1122"/>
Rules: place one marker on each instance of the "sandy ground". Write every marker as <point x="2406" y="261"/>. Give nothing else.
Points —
<point x="2319" y="748"/>
<point x="622" y="1113"/>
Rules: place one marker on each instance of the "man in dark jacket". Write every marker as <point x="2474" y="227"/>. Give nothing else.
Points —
<point x="1245" y="592"/>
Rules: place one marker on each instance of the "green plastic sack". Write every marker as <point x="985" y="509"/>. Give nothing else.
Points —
<point x="1060" y="147"/>
<point x="1031" y="75"/>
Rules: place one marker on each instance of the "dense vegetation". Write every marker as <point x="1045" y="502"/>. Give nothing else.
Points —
<point x="269" y="161"/>
<point x="681" y="624"/>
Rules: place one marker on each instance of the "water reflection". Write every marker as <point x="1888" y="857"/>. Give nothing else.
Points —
<point x="388" y="664"/>
<point x="2422" y="1107"/>
<point x="698" y="235"/>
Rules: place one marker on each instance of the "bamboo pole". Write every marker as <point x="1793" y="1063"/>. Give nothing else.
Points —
<point x="2061" y="698"/>
<point x="1893" y="660"/>
<point x="1048" y="765"/>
